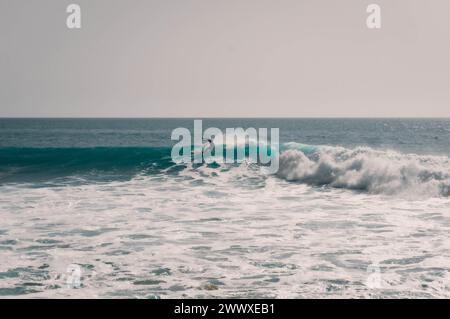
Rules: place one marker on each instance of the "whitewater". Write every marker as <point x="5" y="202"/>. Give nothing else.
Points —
<point x="359" y="218"/>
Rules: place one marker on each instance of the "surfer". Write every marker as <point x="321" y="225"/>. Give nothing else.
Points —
<point x="209" y="145"/>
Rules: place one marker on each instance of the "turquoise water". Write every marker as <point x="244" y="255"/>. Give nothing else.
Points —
<point x="103" y="194"/>
<point x="44" y="149"/>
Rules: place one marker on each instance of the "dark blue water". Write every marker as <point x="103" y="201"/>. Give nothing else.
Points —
<point x="423" y="136"/>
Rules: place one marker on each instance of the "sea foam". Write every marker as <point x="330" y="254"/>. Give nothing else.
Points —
<point x="367" y="169"/>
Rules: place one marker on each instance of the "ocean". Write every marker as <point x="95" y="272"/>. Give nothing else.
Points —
<point x="91" y="208"/>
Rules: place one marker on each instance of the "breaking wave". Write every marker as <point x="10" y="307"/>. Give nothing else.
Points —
<point x="366" y="169"/>
<point x="362" y="168"/>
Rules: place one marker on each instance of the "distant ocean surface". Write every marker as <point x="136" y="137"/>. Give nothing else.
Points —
<point x="359" y="208"/>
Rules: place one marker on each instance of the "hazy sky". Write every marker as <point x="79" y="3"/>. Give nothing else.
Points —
<point x="207" y="58"/>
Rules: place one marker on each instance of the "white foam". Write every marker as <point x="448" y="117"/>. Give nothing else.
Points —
<point x="256" y="235"/>
<point x="379" y="172"/>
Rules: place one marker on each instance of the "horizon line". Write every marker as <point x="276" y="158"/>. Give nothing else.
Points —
<point x="224" y="117"/>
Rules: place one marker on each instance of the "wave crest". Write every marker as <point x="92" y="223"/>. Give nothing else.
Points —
<point x="366" y="169"/>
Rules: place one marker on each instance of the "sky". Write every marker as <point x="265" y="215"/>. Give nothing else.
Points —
<point x="224" y="58"/>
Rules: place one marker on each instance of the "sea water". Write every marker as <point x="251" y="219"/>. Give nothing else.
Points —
<point x="96" y="208"/>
